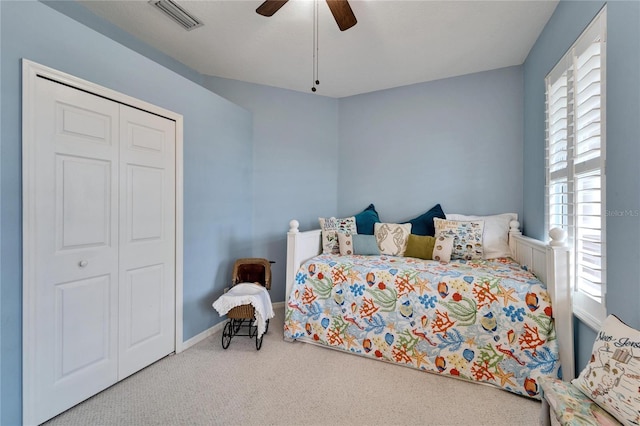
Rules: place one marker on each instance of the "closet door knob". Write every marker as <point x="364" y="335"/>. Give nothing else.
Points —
<point x="83" y="263"/>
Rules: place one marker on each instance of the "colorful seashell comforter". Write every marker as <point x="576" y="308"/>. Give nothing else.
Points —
<point x="487" y="321"/>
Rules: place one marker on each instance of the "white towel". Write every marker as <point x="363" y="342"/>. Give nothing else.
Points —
<point x="247" y="294"/>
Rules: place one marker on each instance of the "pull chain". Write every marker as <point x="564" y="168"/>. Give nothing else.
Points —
<point x="316" y="81"/>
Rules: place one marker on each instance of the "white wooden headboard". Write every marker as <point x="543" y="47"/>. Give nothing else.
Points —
<point x="549" y="262"/>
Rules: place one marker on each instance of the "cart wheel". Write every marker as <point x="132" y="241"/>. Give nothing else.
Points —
<point x="259" y="341"/>
<point x="266" y="328"/>
<point x="227" y="334"/>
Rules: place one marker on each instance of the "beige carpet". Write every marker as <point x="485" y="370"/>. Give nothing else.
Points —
<point x="293" y="384"/>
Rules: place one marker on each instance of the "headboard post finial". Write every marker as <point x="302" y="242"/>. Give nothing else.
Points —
<point x="293" y="226"/>
<point x="558" y="237"/>
<point x="514" y="228"/>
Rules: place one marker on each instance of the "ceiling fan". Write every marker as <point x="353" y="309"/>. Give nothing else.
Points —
<point x="340" y="9"/>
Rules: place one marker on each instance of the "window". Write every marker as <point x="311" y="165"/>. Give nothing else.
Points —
<point x="575" y="165"/>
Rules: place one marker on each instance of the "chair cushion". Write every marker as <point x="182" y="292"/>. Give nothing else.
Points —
<point x="572" y="407"/>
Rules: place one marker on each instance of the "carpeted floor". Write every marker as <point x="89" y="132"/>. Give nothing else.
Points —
<point x="293" y="384"/>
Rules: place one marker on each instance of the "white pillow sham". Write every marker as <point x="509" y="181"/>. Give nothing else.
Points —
<point x="496" y="233"/>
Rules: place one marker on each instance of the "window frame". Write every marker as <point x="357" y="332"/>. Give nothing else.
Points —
<point x="589" y="309"/>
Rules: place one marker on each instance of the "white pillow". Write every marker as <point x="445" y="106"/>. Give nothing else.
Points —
<point x="392" y="238"/>
<point x="496" y="233"/>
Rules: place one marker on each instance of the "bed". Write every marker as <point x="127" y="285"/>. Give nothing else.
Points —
<point x="503" y="322"/>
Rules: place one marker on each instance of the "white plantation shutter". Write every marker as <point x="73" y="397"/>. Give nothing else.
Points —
<point x="575" y="160"/>
<point x="558" y="185"/>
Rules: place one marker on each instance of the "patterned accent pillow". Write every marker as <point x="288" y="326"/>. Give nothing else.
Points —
<point x="495" y="240"/>
<point x="346" y="244"/>
<point x="330" y="229"/>
<point x="612" y="376"/>
<point x="392" y="238"/>
<point x="442" y="249"/>
<point x="467" y="237"/>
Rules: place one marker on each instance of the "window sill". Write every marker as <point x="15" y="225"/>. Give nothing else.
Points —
<point x="587" y="318"/>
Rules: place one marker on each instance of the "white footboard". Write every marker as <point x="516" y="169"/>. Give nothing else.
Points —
<point x="301" y="246"/>
<point x="549" y="262"/>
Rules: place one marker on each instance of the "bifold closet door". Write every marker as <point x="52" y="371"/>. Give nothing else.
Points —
<point x="104" y="245"/>
<point x="147" y="239"/>
<point x="76" y="244"/>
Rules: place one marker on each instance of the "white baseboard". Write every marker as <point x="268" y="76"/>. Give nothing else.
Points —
<point x="201" y="336"/>
<point x="213" y="330"/>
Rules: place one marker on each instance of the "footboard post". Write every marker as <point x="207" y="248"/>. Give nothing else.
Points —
<point x="550" y="263"/>
<point x="301" y="246"/>
<point x="559" y="286"/>
<point x="291" y="257"/>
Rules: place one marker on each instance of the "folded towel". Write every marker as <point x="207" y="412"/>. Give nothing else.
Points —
<point x="247" y="294"/>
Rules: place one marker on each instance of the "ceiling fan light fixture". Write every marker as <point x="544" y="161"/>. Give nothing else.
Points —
<point x="177" y="13"/>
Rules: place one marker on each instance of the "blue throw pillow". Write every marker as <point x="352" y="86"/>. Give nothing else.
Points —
<point x="423" y="224"/>
<point x="365" y="245"/>
<point x="366" y="219"/>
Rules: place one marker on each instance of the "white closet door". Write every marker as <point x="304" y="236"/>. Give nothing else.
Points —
<point x="76" y="242"/>
<point x="102" y="236"/>
<point x="147" y="239"/>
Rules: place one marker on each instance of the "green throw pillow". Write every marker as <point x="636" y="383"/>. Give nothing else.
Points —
<point x="420" y="246"/>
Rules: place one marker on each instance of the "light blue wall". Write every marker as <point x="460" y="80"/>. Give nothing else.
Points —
<point x="457" y="142"/>
<point x="217" y="165"/>
<point x="477" y="119"/>
<point x="295" y="167"/>
<point x="623" y="145"/>
<point x="1" y="317"/>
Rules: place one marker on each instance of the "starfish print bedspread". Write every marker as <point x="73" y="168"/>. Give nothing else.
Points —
<point x="488" y="321"/>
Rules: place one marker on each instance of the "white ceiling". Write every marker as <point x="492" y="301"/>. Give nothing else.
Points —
<point x="394" y="43"/>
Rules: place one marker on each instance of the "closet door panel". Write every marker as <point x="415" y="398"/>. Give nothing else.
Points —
<point x="75" y="306"/>
<point x="99" y="244"/>
<point x="147" y="239"/>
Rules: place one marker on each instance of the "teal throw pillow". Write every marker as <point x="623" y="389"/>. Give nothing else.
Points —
<point x="423" y="224"/>
<point x="366" y="219"/>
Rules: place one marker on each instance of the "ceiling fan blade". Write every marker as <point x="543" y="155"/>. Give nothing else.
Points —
<point x="342" y="13"/>
<point x="269" y="7"/>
